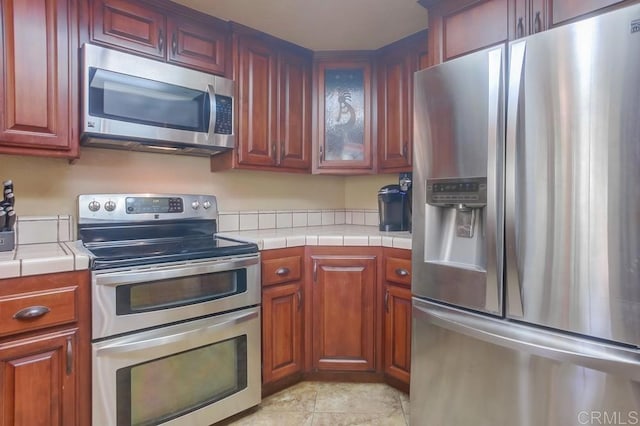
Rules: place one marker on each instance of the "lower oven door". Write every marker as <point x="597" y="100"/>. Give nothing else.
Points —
<point x="151" y="296"/>
<point x="195" y="373"/>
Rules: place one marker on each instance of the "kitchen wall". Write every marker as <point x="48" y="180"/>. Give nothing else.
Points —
<point x="47" y="186"/>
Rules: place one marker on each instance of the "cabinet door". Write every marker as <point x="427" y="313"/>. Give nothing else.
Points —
<point x="565" y="10"/>
<point x="343" y="313"/>
<point x="196" y="45"/>
<point x="395" y="71"/>
<point x="457" y="27"/>
<point x="281" y="331"/>
<point x="39" y="113"/>
<point x="257" y="81"/>
<point x="294" y="130"/>
<point x="342" y="144"/>
<point x="39" y="380"/>
<point x="129" y="25"/>
<point x="397" y="332"/>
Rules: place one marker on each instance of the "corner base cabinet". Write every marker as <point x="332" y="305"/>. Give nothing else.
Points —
<point x="45" y="364"/>
<point x="344" y="288"/>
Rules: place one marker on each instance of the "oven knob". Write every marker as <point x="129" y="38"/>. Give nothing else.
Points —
<point x="110" y="206"/>
<point x="94" y="206"/>
<point x="206" y="204"/>
<point x="195" y="205"/>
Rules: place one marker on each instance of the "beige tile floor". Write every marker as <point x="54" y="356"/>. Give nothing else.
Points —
<point x="329" y="404"/>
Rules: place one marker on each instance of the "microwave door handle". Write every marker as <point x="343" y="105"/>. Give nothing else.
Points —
<point x="212" y="110"/>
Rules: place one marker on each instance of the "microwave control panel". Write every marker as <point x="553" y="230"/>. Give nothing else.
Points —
<point x="448" y="192"/>
<point x="224" y="115"/>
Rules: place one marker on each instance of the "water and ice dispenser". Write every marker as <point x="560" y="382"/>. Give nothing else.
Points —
<point x="455" y="223"/>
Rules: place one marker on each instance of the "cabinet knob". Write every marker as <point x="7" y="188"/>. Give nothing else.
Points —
<point x="402" y="272"/>
<point x="282" y="271"/>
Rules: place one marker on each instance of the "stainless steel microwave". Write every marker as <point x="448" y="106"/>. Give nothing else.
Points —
<point x="141" y="104"/>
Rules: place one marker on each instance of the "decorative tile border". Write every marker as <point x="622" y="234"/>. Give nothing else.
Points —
<point x="278" y="219"/>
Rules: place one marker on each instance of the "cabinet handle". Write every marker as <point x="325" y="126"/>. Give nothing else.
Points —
<point x="69" y="356"/>
<point x="160" y="40"/>
<point x="282" y="151"/>
<point x="299" y="300"/>
<point x="520" y="28"/>
<point x="174" y="43"/>
<point x="274" y="152"/>
<point x="386" y="301"/>
<point x="282" y="271"/>
<point x="402" y="272"/>
<point x="315" y="271"/>
<point x="31" y="312"/>
<point x="321" y="154"/>
<point x="405" y="150"/>
<point x="537" y="26"/>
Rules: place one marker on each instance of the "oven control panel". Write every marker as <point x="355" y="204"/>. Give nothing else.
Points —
<point x="142" y="207"/>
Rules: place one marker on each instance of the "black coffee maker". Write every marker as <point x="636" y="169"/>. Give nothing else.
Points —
<point x="394" y="205"/>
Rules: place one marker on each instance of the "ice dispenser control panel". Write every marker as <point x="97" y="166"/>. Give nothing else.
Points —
<point x="452" y="192"/>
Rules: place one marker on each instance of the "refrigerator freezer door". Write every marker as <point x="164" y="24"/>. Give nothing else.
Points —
<point x="482" y="371"/>
<point x="459" y="140"/>
<point x="573" y="180"/>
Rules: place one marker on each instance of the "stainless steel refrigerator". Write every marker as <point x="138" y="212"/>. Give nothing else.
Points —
<point x="526" y="231"/>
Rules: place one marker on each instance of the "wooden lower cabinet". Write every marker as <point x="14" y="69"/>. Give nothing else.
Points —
<point x="397" y="316"/>
<point x="344" y="332"/>
<point x="45" y="360"/>
<point x="282" y="315"/>
<point x="39" y="380"/>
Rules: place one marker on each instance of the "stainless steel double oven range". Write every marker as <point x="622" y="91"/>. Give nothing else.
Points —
<point x="176" y="311"/>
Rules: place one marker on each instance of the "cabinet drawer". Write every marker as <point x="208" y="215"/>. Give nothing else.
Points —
<point x="398" y="271"/>
<point x="281" y="270"/>
<point x="38" y="309"/>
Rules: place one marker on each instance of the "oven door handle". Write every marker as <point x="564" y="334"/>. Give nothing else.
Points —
<point x="182" y="333"/>
<point x="161" y="273"/>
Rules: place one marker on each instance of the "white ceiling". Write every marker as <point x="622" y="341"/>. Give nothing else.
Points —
<point x="323" y="24"/>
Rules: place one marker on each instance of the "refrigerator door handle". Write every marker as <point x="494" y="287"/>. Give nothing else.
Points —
<point x="515" y="95"/>
<point x="495" y="166"/>
<point x="618" y="360"/>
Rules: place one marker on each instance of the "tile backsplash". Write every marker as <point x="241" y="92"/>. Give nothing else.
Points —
<point x="272" y="219"/>
<point x="44" y="229"/>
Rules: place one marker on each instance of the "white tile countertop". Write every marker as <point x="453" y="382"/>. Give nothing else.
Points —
<point x="43" y="245"/>
<point x="331" y="235"/>
<point x="42" y="258"/>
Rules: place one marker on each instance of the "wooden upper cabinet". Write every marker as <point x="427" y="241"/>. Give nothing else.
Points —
<point x="196" y="45"/>
<point x="342" y="142"/>
<point x="273" y="83"/>
<point x="458" y="27"/>
<point x="162" y="31"/>
<point x="395" y="66"/>
<point x="130" y="25"/>
<point x="39" y="92"/>
<point x="294" y="124"/>
<point x="257" y="81"/>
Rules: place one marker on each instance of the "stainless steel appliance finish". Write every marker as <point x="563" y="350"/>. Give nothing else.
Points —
<point x="562" y="345"/>
<point x="142" y="350"/>
<point x="164" y="93"/>
<point x="459" y="113"/>
<point x="481" y="371"/>
<point x="175" y="309"/>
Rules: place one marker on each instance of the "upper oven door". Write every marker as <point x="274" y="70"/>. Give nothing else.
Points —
<point x="132" y="98"/>
<point x="130" y="300"/>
